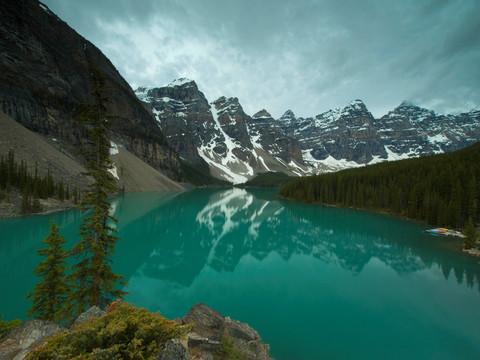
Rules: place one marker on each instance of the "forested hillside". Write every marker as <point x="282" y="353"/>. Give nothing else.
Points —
<point x="33" y="186"/>
<point x="442" y="189"/>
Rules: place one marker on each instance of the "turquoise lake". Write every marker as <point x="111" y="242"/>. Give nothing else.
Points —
<point x="315" y="282"/>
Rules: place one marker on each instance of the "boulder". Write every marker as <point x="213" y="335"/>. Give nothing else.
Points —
<point x="173" y="351"/>
<point x="209" y="323"/>
<point x="239" y="330"/>
<point x="222" y="337"/>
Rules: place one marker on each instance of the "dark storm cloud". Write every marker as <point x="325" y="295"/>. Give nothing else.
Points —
<point x="306" y="55"/>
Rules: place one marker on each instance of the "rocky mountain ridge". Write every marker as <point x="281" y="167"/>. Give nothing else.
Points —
<point x="236" y="146"/>
<point x="351" y="136"/>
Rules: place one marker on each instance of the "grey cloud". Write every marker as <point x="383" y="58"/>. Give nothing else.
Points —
<point x="465" y="37"/>
<point x="308" y="55"/>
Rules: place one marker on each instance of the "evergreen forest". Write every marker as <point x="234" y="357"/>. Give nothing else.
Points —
<point x="15" y="174"/>
<point x="442" y="190"/>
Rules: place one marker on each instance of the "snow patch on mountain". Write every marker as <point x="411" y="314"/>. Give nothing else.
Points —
<point x="113" y="148"/>
<point x="439" y="138"/>
<point x="393" y="156"/>
<point x="338" y="164"/>
<point x="297" y="170"/>
<point x="260" y="158"/>
<point x="142" y="94"/>
<point x="113" y="171"/>
<point x="157" y="114"/>
<point x="331" y="164"/>
<point x="180" y="82"/>
<point x="234" y="169"/>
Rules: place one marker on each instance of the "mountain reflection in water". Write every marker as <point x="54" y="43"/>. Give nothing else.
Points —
<point x="308" y="278"/>
<point x="212" y="228"/>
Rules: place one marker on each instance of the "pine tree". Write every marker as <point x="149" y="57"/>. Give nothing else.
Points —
<point x="50" y="293"/>
<point x="26" y="200"/>
<point x="61" y="191"/>
<point x="93" y="279"/>
<point x="470" y="235"/>
<point x="75" y="196"/>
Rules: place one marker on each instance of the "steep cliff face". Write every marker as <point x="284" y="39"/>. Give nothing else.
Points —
<point x="234" y="145"/>
<point x="183" y="114"/>
<point x="45" y="74"/>
<point x="267" y="133"/>
<point x="409" y="129"/>
<point x="346" y="133"/>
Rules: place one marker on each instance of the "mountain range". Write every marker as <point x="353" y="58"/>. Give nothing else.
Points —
<point x="174" y="131"/>
<point x="236" y="146"/>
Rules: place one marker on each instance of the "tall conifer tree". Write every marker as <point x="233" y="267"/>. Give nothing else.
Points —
<point x="93" y="279"/>
<point x="50" y="293"/>
<point x="470" y="234"/>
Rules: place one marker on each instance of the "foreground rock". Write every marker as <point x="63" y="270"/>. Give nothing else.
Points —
<point x="217" y="337"/>
<point x="213" y="336"/>
<point x="27" y="337"/>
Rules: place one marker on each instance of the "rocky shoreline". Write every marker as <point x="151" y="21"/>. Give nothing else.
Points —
<point x="212" y="337"/>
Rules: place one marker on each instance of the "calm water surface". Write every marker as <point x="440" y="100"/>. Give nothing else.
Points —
<point x="315" y="282"/>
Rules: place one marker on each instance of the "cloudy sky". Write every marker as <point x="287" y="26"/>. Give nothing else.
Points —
<point x="306" y="55"/>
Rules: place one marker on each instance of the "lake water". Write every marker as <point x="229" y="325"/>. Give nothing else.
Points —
<point x="315" y="282"/>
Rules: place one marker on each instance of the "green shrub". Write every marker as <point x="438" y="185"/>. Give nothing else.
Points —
<point x="228" y="350"/>
<point x="8" y="325"/>
<point x="125" y="332"/>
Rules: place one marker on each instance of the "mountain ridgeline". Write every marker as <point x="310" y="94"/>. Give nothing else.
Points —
<point x="441" y="189"/>
<point x="234" y="145"/>
<point x="237" y="146"/>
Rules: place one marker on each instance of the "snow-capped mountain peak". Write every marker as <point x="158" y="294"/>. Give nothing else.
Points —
<point x="406" y="104"/>
<point x="262" y="114"/>
<point x="184" y="82"/>
<point x="142" y="93"/>
<point x="287" y="116"/>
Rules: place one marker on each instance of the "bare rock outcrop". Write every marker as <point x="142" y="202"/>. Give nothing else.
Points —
<point x="217" y="337"/>
<point x="26" y="337"/>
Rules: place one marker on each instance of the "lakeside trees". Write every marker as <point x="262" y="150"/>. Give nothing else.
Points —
<point x="92" y="277"/>
<point x="15" y="174"/>
<point x="91" y="281"/>
<point x="50" y="293"/>
<point x="441" y="190"/>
